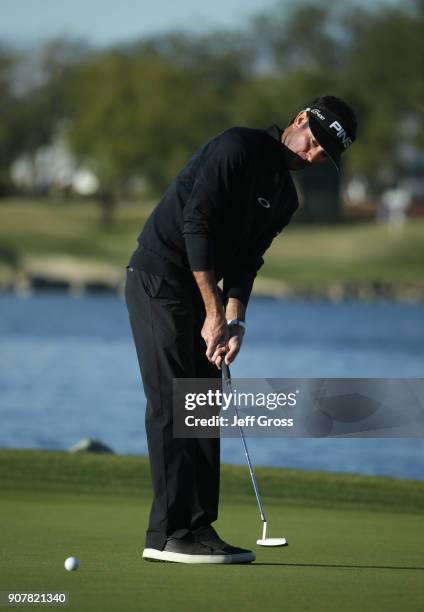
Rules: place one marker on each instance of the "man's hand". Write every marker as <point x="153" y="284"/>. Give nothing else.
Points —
<point x="221" y="340"/>
<point x="231" y="350"/>
<point x="216" y="335"/>
<point x="215" y="329"/>
<point x="235" y="310"/>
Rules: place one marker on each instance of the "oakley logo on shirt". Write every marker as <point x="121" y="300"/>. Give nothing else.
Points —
<point x="264" y="203"/>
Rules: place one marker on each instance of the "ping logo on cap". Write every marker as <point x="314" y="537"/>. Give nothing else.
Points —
<point x="341" y="133"/>
<point x="330" y="123"/>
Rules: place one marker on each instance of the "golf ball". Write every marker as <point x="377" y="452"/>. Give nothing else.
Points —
<point x="71" y="564"/>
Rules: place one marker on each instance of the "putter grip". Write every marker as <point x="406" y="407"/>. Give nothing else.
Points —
<point x="225" y="371"/>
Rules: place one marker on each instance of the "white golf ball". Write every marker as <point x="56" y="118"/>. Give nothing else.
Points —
<point x="71" y="564"/>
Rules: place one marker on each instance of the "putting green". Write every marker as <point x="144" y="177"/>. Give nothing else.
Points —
<point x="356" y="543"/>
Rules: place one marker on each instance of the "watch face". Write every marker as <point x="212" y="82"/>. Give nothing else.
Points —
<point x="236" y="322"/>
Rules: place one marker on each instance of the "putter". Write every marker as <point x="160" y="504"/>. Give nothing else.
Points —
<point x="264" y="541"/>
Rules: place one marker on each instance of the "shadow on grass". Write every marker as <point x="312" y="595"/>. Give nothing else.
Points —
<point x="337" y="566"/>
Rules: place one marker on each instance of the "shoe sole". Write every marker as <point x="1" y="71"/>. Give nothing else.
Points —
<point x="151" y="554"/>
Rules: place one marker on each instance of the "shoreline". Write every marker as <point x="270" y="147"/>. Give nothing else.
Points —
<point x="80" y="277"/>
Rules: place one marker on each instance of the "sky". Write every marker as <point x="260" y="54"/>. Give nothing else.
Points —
<point x="103" y="22"/>
<point x="109" y="21"/>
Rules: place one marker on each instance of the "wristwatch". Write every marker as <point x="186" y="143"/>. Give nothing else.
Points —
<point x="238" y="322"/>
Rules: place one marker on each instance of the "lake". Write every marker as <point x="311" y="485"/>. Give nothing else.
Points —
<point x="68" y="370"/>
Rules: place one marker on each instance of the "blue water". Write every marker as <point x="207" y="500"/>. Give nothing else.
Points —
<point x="68" y="370"/>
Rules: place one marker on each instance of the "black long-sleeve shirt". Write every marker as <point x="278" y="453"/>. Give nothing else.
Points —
<point x="223" y="210"/>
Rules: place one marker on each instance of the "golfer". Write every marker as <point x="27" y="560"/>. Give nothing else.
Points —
<point x="215" y="222"/>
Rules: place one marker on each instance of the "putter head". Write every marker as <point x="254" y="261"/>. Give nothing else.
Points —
<point x="272" y="542"/>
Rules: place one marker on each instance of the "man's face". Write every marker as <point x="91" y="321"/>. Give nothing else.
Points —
<point x="299" y="139"/>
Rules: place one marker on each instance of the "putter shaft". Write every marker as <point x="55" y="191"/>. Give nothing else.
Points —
<point x="227" y="379"/>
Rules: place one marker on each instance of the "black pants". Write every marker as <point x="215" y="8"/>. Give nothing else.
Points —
<point x="166" y="316"/>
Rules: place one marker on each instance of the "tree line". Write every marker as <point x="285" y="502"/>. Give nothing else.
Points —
<point x="139" y="110"/>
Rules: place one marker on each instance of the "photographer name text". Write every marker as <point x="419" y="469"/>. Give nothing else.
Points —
<point x="248" y="421"/>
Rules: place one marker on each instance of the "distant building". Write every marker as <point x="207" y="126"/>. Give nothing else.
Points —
<point x="53" y="168"/>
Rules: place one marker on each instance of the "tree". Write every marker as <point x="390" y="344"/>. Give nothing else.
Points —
<point x="34" y="100"/>
<point x="143" y="111"/>
<point x="10" y="129"/>
<point x="384" y="79"/>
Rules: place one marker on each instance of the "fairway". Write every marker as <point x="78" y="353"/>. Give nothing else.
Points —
<point x="356" y="543"/>
<point x="312" y="255"/>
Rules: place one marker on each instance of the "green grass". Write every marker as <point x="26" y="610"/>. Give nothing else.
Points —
<point x="51" y="227"/>
<point x="314" y="255"/>
<point x="356" y="253"/>
<point x="356" y="543"/>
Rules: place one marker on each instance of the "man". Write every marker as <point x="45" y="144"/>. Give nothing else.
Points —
<point x="215" y="222"/>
